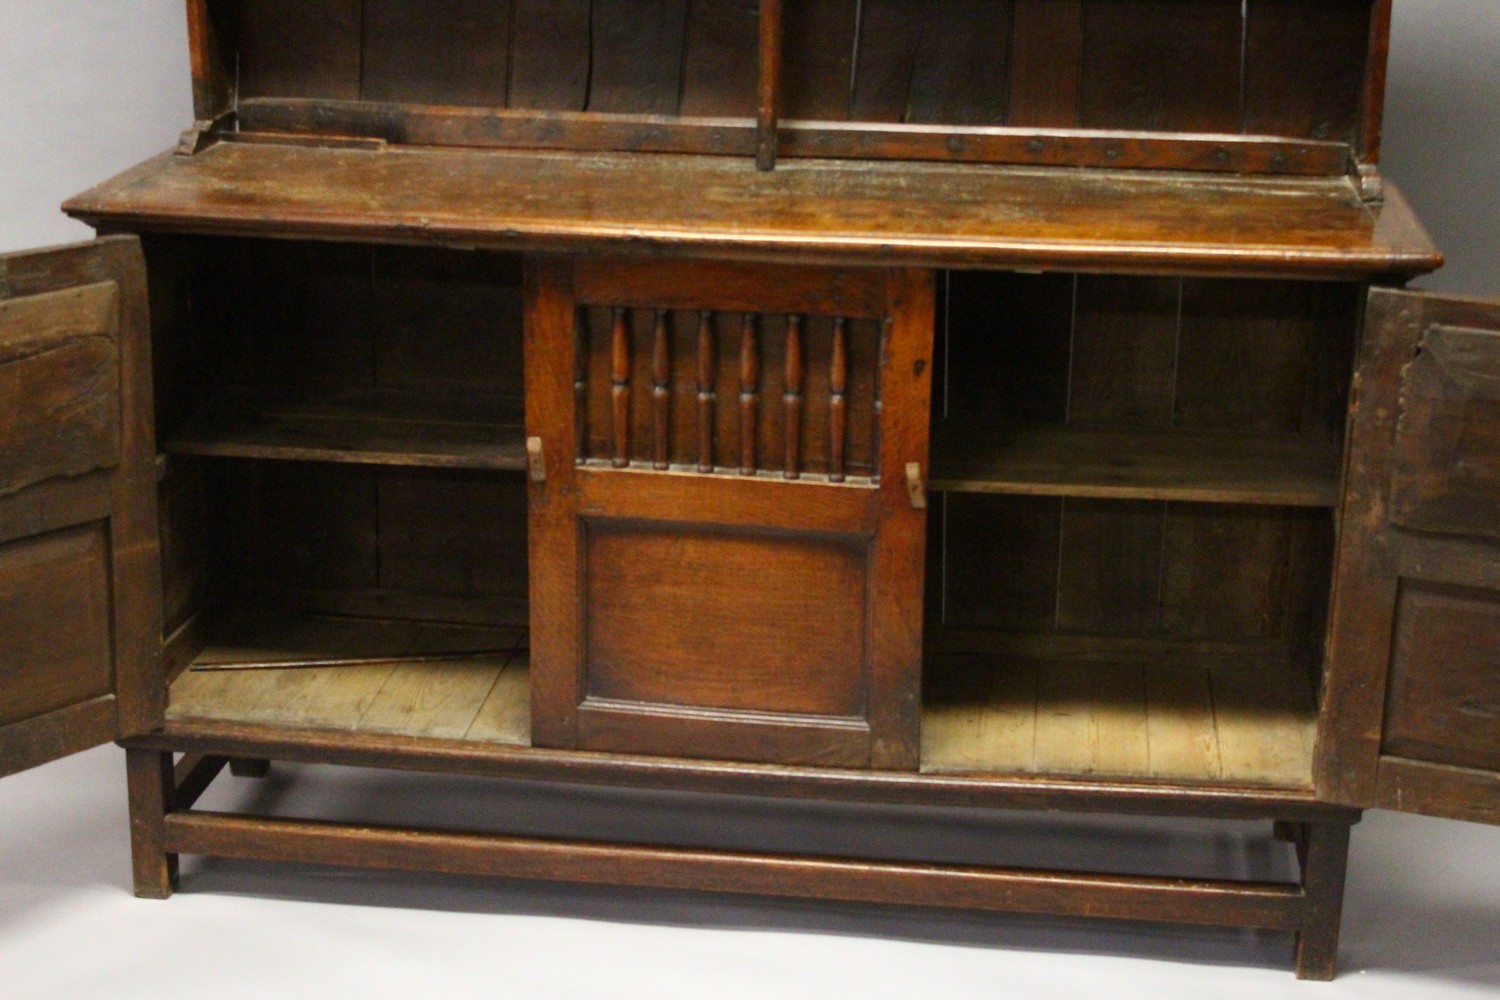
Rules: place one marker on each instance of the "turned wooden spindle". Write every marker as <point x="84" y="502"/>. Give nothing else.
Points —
<point x="791" y="400"/>
<point x="749" y="394"/>
<point x="581" y="385"/>
<point x="706" y="395"/>
<point x="661" y="393"/>
<point x="620" y="393"/>
<point x="838" y="402"/>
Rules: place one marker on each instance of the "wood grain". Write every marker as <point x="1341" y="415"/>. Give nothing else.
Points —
<point x="924" y="214"/>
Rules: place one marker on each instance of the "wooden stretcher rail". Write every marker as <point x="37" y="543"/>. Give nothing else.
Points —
<point x="1272" y="906"/>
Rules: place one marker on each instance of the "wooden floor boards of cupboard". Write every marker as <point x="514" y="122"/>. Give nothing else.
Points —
<point x="485" y="699"/>
<point x="1226" y="724"/>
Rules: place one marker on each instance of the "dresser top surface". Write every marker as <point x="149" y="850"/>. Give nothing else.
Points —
<point x="826" y="210"/>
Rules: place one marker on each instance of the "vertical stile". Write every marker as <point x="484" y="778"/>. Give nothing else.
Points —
<point x="706" y="391"/>
<point x="838" y="404"/>
<point x="581" y="340"/>
<point x="792" y="399"/>
<point x="661" y="393"/>
<point x="620" y="393"/>
<point x="877" y="409"/>
<point x="749" y="394"/>
<point x="770" y="84"/>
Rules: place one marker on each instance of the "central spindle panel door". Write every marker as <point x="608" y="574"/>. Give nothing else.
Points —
<point x="727" y="521"/>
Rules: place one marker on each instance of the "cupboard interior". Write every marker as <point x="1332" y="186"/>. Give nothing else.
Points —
<point x="1286" y="68"/>
<point x="343" y="506"/>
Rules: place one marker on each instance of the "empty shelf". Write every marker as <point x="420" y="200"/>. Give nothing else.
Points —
<point x="374" y="428"/>
<point x="1191" y="466"/>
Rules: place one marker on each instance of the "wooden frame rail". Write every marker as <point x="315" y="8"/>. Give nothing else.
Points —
<point x="769" y="137"/>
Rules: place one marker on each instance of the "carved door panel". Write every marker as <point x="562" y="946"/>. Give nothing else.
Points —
<point x="79" y="621"/>
<point x="726" y="513"/>
<point x="1412" y="718"/>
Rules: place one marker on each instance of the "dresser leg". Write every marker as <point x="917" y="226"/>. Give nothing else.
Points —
<point x="1324" y="859"/>
<point x="149" y="777"/>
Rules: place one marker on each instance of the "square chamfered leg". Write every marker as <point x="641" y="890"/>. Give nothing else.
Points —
<point x="150" y="779"/>
<point x="1323" y="850"/>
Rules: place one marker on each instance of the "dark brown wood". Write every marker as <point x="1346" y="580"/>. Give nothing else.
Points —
<point x="661" y="393"/>
<point x="1411" y="676"/>
<point x="1324" y="860"/>
<point x="1305" y="68"/>
<point x="1170" y="65"/>
<point x="1443" y="699"/>
<point x="287" y="48"/>
<point x="636" y="55"/>
<point x="620" y="391"/>
<point x="213" y="81"/>
<point x="705" y="620"/>
<point x="838" y="402"/>
<point x="792" y="400"/>
<point x="347" y="124"/>
<point x="818" y="41"/>
<point x="153" y="789"/>
<point x="381" y="427"/>
<point x="409" y="52"/>
<point x="1046" y="57"/>
<point x="1376" y="61"/>
<point x="925" y="215"/>
<point x="1446" y="476"/>
<point x="768" y="108"/>
<point x="749" y="393"/>
<point x="707" y="397"/>
<point x="1273" y="906"/>
<point x="549" y="54"/>
<point x="960" y="73"/>
<point x="44" y="738"/>
<point x="721" y="59"/>
<point x="1438" y="790"/>
<point x="80" y="597"/>
<point x="552" y="535"/>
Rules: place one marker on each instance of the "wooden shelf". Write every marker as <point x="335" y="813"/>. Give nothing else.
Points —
<point x="372" y="428"/>
<point x="1221" y="724"/>
<point x="921" y="214"/>
<point x="309" y="671"/>
<point x="1181" y="465"/>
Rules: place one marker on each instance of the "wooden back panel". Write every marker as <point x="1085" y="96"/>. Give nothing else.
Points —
<point x="1304" y="70"/>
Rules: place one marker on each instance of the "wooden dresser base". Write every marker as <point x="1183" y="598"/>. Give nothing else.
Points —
<point x="164" y="825"/>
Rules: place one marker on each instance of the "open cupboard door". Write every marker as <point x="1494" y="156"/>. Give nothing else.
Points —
<point x="727" y="509"/>
<point x="1413" y="719"/>
<point x="80" y="629"/>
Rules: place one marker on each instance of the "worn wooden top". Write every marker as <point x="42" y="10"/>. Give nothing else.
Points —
<point x="850" y="211"/>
